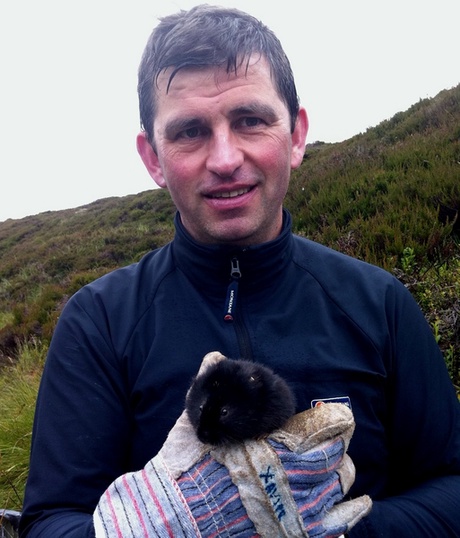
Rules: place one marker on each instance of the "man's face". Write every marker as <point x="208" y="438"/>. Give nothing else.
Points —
<point x="224" y="150"/>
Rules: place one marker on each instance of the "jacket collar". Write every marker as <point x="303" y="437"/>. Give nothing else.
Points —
<point x="209" y="266"/>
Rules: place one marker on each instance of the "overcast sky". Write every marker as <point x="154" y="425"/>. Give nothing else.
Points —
<point x="68" y="102"/>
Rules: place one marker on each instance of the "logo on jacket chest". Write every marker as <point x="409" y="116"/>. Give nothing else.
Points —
<point x="337" y="399"/>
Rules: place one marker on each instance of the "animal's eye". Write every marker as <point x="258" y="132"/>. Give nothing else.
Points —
<point x="201" y="407"/>
<point x="223" y="412"/>
<point x="252" y="379"/>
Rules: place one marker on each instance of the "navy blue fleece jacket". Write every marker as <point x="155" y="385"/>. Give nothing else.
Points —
<point x="127" y="345"/>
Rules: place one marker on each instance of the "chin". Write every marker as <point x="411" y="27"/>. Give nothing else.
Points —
<point x="239" y="231"/>
<point x="240" y="237"/>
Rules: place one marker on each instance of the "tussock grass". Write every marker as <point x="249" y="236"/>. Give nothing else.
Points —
<point x="18" y="392"/>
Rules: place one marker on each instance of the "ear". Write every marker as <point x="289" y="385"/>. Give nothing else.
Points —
<point x="150" y="159"/>
<point x="299" y="137"/>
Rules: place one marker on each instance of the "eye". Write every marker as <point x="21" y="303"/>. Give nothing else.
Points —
<point x="223" y="412"/>
<point x="252" y="122"/>
<point x="193" y="132"/>
<point x="249" y="122"/>
<point x="190" y="133"/>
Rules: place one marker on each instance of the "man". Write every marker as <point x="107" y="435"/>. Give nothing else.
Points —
<point x="222" y="130"/>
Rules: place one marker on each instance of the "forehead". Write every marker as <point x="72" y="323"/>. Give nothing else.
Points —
<point x="252" y="77"/>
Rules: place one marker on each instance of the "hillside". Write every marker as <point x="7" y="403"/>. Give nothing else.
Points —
<point x="376" y="196"/>
<point x="390" y="196"/>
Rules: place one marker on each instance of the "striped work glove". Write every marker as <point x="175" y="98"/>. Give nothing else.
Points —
<point x="290" y="484"/>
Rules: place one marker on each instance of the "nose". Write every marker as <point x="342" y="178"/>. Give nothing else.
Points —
<point x="224" y="153"/>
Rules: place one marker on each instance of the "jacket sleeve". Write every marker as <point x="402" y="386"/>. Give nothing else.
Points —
<point x="423" y="436"/>
<point x="68" y="524"/>
<point x="81" y="394"/>
<point x="428" y="510"/>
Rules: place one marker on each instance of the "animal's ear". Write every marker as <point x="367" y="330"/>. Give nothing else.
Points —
<point x="209" y="360"/>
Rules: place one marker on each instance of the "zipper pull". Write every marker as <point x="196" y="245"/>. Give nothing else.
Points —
<point x="232" y="290"/>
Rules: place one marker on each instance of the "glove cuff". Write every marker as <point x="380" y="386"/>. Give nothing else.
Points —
<point x="146" y="503"/>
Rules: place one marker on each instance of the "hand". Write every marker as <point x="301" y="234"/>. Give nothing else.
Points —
<point x="290" y="484"/>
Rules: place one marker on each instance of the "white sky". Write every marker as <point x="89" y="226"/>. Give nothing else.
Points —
<point x="68" y="102"/>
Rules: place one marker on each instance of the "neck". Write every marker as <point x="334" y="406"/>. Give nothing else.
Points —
<point x="210" y="266"/>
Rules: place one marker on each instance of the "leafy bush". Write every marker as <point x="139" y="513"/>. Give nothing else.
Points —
<point x="437" y="289"/>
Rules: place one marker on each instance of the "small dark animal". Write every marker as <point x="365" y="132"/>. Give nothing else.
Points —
<point x="235" y="400"/>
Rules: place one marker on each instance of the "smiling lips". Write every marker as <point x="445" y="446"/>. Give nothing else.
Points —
<point x="231" y="194"/>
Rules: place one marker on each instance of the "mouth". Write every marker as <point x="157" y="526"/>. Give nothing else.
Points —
<point x="231" y="194"/>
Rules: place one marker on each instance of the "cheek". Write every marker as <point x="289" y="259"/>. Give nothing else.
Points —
<point x="276" y="157"/>
<point x="179" y="170"/>
<point x="278" y="172"/>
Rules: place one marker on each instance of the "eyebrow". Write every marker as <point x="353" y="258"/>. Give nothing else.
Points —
<point x="255" y="109"/>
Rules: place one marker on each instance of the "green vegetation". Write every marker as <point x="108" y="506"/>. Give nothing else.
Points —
<point x="45" y="258"/>
<point x="18" y="392"/>
<point x="380" y="192"/>
<point x="389" y="196"/>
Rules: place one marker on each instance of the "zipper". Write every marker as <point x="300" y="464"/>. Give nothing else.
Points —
<point x="244" y="342"/>
<point x="232" y="291"/>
